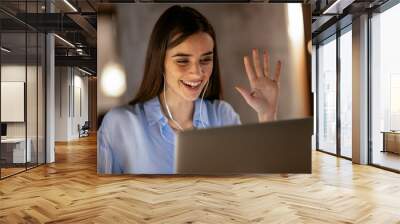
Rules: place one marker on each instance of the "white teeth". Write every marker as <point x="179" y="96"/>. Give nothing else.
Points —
<point x="192" y="84"/>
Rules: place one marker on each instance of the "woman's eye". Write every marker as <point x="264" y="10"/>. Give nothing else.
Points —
<point x="206" y="61"/>
<point x="182" y="62"/>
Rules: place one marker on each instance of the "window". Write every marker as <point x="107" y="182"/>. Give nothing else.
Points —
<point x="385" y="88"/>
<point x="346" y="93"/>
<point x="327" y="96"/>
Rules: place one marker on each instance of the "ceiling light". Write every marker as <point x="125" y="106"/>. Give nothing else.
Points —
<point x="70" y="5"/>
<point x="113" y="80"/>
<point x="65" y="41"/>
<point x="5" y="50"/>
<point x="337" y="7"/>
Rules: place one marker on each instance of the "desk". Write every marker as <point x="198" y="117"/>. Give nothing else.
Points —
<point x="391" y="141"/>
<point x="13" y="150"/>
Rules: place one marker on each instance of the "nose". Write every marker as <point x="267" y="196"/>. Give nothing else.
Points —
<point x="196" y="69"/>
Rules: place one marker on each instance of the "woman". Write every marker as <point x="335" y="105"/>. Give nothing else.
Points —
<point x="181" y="90"/>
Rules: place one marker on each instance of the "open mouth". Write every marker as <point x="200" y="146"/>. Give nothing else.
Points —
<point x="191" y="84"/>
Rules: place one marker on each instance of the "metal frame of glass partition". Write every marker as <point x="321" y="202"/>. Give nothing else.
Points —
<point x="339" y="34"/>
<point x="338" y="98"/>
<point x="334" y="37"/>
<point x="42" y="117"/>
<point x="387" y="5"/>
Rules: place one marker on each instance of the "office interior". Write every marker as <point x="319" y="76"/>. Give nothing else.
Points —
<point x="49" y="110"/>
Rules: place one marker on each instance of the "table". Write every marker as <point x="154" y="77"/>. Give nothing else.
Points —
<point x="13" y="150"/>
<point x="391" y="141"/>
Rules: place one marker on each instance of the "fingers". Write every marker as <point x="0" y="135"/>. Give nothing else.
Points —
<point x="278" y="67"/>
<point x="249" y="70"/>
<point x="258" y="72"/>
<point x="266" y="63"/>
<point x="245" y="93"/>
<point x="257" y="63"/>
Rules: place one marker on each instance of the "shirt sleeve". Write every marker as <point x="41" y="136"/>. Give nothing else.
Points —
<point x="106" y="160"/>
<point x="227" y="114"/>
<point x="104" y="155"/>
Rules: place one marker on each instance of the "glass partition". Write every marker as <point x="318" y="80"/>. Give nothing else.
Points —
<point x="346" y="93"/>
<point x="31" y="100"/>
<point x="22" y="91"/>
<point x="327" y="96"/>
<point x="14" y="153"/>
<point x="41" y="96"/>
<point x="385" y="89"/>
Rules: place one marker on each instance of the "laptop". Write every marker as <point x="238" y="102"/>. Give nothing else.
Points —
<point x="272" y="147"/>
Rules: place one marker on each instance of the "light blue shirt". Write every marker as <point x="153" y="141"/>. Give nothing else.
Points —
<point x="137" y="139"/>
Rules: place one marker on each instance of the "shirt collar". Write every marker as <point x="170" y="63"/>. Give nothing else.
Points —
<point x="197" y="119"/>
<point x="154" y="114"/>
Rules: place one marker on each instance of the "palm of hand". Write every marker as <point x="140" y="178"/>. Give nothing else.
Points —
<point x="265" y="89"/>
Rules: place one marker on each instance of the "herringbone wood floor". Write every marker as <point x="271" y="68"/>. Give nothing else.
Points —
<point x="70" y="191"/>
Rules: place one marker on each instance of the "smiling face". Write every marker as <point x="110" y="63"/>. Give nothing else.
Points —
<point x="188" y="66"/>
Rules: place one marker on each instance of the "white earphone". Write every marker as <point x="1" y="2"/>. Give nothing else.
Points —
<point x="169" y="112"/>
<point x="201" y="104"/>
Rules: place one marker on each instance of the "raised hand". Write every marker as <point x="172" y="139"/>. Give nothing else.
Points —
<point x="263" y="97"/>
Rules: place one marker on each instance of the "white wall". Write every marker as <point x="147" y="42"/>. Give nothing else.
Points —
<point x="61" y="103"/>
<point x="79" y="117"/>
<point x="16" y="73"/>
<point x="70" y="84"/>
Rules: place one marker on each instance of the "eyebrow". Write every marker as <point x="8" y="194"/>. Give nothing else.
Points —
<point x="188" y="55"/>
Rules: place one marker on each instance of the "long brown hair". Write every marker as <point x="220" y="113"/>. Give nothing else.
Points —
<point x="181" y="21"/>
